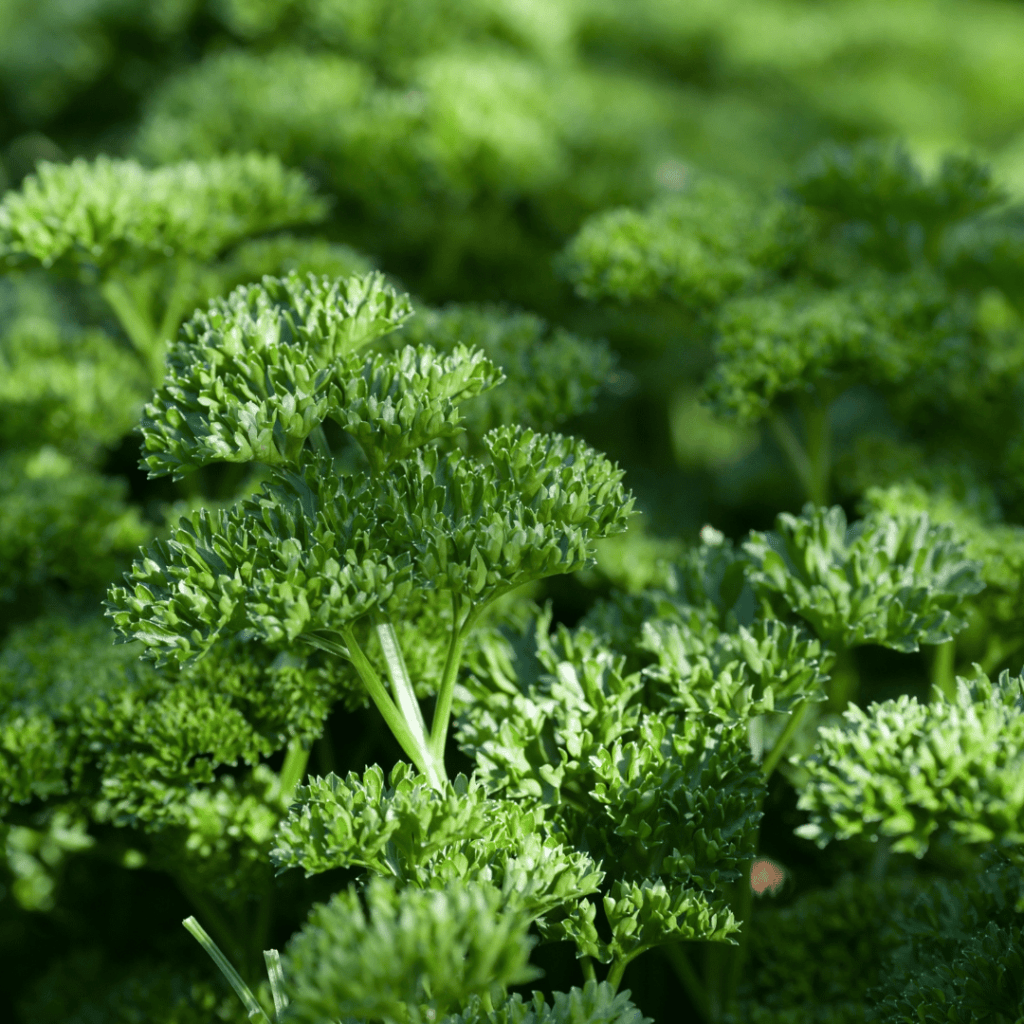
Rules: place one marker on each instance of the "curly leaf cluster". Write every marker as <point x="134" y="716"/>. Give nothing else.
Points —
<point x="532" y="511"/>
<point x="80" y="715"/>
<point x="302" y="555"/>
<point x="961" y="952"/>
<point x="595" y="1003"/>
<point x="550" y="374"/>
<point x="772" y="666"/>
<point x="395" y="405"/>
<point x="250" y="377"/>
<point x="106" y="213"/>
<point x="406" y="954"/>
<point x="697" y="248"/>
<point x="62" y="521"/>
<point x="885" y="580"/>
<point x="903" y="770"/>
<point x="812" y="962"/>
<point x="391" y="828"/>
<point x="794" y="338"/>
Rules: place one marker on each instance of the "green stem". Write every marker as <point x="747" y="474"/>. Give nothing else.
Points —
<point x="616" y="971"/>
<point x="686" y="973"/>
<point x="252" y="1006"/>
<point x="587" y="966"/>
<point x="715" y="972"/>
<point x="446" y="689"/>
<point x="139" y="327"/>
<point x="407" y="740"/>
<point x="261" y="929"/>
<point x="793" y="450"/>
<point x="996" y="652"/>
<point x="811" y="461"/>
<point x="401" y="684"/>
<point x="845" y="682"/>
<point x="741" y="910"/>
<point x="772" y="760"/>
<point x="272" y="958"/>
<point x="942" y="668"/>
<point x="818" y="432"/>
<point x="175" y="307"/>
<point x="294" y="768"/>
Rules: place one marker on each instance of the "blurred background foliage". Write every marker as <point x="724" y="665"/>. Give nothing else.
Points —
<point x="462" y="145"/>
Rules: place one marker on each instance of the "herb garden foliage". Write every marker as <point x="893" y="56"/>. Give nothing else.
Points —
<point x="374" y="703"/>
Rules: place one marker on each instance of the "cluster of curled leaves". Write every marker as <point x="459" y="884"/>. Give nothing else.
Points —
<point x="903" y="771"/>
<point x="396" y="509"/>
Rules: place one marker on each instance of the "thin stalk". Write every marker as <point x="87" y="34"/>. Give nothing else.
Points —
<point x="685" y="972"/>
<point x="139" y="327"/>
<point x="818" y="433"/>
<point x="942" y="674"/>
<point x="175" y="307"/>
<point x="616" y="971"/>
<point x="407" y="740"/>
<point x="261" y="929"/>
<point x="252" y="1006"/>
<point x="811" y="460"/>
<point x="772" y="760"/>
<point x="587" y="967"/>
<point x="294" y="768"/>
<point x="845" y="681"/>
<point x="715" y="967"/>
<point x="741" y="910"/>
<point x="793" y="450"/>
<point x="996" y="652"/>
<point x="325" y="759"/>
<point x="272" y="959"/>
<point x="401" y="684"/>
<point x="446" y="689"/>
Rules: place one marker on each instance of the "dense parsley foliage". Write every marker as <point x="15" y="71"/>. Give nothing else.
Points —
<point x="371" y="375"/>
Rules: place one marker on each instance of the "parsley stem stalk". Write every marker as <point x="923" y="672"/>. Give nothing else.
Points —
<point x="587" y="966"/>
<point x="211" y="914"/>
<point x="819" y="447"/>
<point x="443" y="707"/>
<point x="252" y="1006"/>
<point x="616" y="971"/>
<point x="941" y="669"/>
<point x="810" y="461"/>
<point x="772" y="760"/>
<point x="401" y="684"/>
<point x="413" y="746"/>
<point x="294" y="768"/>
<point x="318" y="439"/>
<point x="136" y="324"/>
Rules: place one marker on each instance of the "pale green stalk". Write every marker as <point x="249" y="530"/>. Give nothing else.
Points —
<point x="811" y="460"/>
<point x="401" y="684"/>
<point x="273" y="961"/>
<point x="252" y="1006"/>
<point x="942" y="668"/>
<point x="446" y="689"/>
<point x="410" y="744"/>
<point x="136" y="324"/>
<point x="294" y="768"/>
